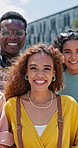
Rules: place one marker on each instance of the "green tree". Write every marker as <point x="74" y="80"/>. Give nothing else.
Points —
<point x="75" y="23"/>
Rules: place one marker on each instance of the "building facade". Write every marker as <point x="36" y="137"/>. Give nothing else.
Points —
<point x="47" y="28"/>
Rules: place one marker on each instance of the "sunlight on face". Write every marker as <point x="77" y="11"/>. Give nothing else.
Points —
<point x="40" y="71"/>
<point x="70" y="52"/>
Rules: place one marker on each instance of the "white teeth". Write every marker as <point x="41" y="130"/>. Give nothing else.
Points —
<point x="74" y="62"/>
<point x="12" y="44"/>
<point x="40" y="82"/>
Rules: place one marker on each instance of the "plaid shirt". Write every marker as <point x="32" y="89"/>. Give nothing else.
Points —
<point x="6" y="138"/>
<point x="2" y="78"/>
<point x="3" y="74"/>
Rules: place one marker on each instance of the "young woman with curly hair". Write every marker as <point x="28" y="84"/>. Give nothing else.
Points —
<point x="34" y="79"/>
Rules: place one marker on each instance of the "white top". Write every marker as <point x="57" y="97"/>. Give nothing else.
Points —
<point x="40" y="129"/>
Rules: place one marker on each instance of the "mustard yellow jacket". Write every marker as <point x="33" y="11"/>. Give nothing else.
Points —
<point x="49" y="137"/>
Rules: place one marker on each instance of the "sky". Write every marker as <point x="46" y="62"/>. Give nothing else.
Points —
<point x="33" y="10"/>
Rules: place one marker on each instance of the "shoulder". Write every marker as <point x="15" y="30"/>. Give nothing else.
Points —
<point x="69" y="102"/>
<point x="10" y="102"/>
<point x="69" y="107"/>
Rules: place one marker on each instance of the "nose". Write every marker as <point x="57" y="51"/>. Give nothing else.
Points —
<point x="13" y="35"/>
<point x="73" y="55"/>
<point x="40" y="73"/>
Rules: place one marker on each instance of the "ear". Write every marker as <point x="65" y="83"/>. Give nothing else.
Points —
<point x="54" y="72"/>
<point x="27" y="72"/>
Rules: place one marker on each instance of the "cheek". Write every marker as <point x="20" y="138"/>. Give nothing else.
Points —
<point x="49" y="76"/>
<point x="2" y="43"/>
<point x="30" y="75"/>
<point x="66" y="62"/>
<point x="22" y="41"/>
<point x="65" y="59"/>
<point x="3" y="40"/>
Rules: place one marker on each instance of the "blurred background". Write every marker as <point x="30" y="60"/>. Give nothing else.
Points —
<point x="46" y="19"/>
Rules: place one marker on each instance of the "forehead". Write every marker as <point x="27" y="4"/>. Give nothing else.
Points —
<point x="12" y="23"/>
<point x="71" y="44"/>
<point x="40" y="58"/>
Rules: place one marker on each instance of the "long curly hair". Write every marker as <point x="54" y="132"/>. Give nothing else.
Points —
<point x="16" y="84"/>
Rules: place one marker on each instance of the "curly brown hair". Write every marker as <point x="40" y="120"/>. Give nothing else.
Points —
<point x="16" y="84"/>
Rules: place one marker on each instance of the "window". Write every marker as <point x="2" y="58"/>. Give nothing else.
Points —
<point x="44" y="27"/>
<point x="53" y="24"/>
<point x="66" y="20"/>
<point x="32" y="29"/>
<point x="40" y="27"/>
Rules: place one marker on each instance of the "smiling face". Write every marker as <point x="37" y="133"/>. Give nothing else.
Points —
<point x="40" y="71"/>
<point x="11" y="44"/>
<point x="70" y="52"/>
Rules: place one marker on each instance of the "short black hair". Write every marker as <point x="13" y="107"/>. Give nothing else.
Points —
<point x="13" y="15"/>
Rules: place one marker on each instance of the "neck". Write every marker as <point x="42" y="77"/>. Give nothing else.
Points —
<point x="9" y="55"/>
<point x="73" y="72"/>
<point x="40" y="97"/>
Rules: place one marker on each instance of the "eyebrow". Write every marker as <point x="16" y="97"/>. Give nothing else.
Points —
<point x="68" y="49"/>
<point x="43" y="65"/>
<point x="47" y="66"/>
<point x="32" y="65"/>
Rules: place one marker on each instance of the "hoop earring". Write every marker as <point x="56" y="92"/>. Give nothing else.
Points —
<point x="26" y="77"/>
<point x="53" y="78"/>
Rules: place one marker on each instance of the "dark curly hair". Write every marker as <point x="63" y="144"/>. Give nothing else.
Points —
<point x="16" y="84"/>
<point x="13" y="15"/>
<point x="70" y="34"/>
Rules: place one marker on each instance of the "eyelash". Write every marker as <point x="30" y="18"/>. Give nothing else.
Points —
<point x="67" y="52"/>
<point x="47" y="69"/>
<point x="33" y="68"/>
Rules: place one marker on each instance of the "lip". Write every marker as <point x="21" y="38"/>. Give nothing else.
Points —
<point x="40" y="82"/>
<point x="73" y="62"/>
<point x="12" y="44"/>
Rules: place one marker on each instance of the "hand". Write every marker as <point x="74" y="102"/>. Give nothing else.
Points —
<point x="3" y="146"/>
<point x="2" y="101"/>
<point x="2" y="98"/>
